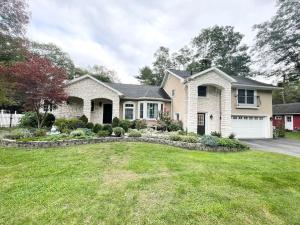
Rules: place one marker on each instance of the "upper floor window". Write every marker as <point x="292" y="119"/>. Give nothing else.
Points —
<point x="173" y="93"/>
<point x="246" y="96"/>
<point x="128" y="111"/>
<point x="202" y="91"/>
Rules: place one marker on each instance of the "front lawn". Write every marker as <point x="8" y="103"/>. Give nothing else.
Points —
<point x="136" y="183"/>
<point x="293" y="135"/>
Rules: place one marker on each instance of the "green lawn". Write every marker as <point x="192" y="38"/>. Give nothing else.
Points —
<point x="293" y="135"/>
<point x="136" y="183"/>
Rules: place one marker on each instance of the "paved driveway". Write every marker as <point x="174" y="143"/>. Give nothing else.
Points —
<point x="285" y="146"/>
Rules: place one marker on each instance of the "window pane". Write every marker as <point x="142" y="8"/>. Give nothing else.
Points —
<point x="141" y="110"/>
<point x="128" y="114"/>
<point x="128" y="105"/>
<point x="201" y="90"/>
<point x="250" y="100"/>
<point x="152" y="110"/>
<point x="241" y="96"/>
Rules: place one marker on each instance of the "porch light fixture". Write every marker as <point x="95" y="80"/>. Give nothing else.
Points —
<point x="211" y="116"/>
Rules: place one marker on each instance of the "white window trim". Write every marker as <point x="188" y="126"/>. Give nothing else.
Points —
<point x="245" y="105"/>
<point x="145" y="109"/>
<point x="129" y="102"/>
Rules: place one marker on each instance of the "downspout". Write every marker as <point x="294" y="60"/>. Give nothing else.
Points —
<point x="220" y="109"/>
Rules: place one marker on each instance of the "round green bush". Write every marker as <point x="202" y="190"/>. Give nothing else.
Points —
<point x="118" y="131"/>
<point x="139" y="124"/>
<point x="89" y="125"/>
<point x="209" y="140"/>
<point x="39" y="132"/>
<point x="134" y="133"/>
<point x="175" y="137"/>
<point x="97" y="127"/>
<point x="49" y="120"/>
<point x="28" y="120"/>
<point x="231" y="143"/>
<point x="108" y="128"/>
<point x="103" y="133"/>
<point x="115" y="122"/>
<point x="125" y="124"/>
<point x="189" y="138"/>
<point x="84" y="119"/>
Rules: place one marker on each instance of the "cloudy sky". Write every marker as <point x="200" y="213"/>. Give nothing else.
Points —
<point x="123" y="34"/>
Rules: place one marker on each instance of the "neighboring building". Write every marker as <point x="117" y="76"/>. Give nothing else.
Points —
<point x="207" y="101"/>
<point x="287" y="115"/>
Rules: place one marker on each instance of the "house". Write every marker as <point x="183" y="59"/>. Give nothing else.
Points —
<point x="205" y="102"/>
<point x="287" y="115"/>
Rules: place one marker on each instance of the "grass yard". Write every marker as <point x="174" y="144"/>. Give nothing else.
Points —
<point x="136" y="183"/>
<point x="293" y="135"/>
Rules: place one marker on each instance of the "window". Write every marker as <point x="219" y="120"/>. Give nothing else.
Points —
<point x="173" y="93"/>
<point x="177" y="116"/>
<point x="152" y="110"/>
<point x="141" y="110"/>
<point x="202" y="91"/>
<point x="128" y="111"/>
<point x="289" y="119"/>
<point x="48" y="107"/>
<point x="246" y="96"/>
<point x="278" y="117"/>
<point x="92" y="106"/>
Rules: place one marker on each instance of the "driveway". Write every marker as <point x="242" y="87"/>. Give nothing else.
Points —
<point x="284" y="146"/>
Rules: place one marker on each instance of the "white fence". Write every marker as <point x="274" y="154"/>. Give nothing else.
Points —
<point x="8" y="119"/>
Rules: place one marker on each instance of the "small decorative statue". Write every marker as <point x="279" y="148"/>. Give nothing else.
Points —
<point x="54" y="130"/>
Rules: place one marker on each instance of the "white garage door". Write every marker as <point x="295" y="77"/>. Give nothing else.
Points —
<point x="250" y="126"/>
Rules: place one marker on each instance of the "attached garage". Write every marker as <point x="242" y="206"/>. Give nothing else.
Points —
<point x="250" y="126"/>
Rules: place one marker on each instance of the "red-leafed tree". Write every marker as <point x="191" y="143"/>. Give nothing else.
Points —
<point x="39" y="82"/>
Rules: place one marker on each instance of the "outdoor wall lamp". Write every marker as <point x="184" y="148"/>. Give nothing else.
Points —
<point x="211" y="116"/>
<point x="271" y="118"/>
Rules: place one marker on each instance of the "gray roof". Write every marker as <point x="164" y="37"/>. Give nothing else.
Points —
<point x="289" y="108"/>
<point x="140" y="91"/>
<point x="239" y="80"/>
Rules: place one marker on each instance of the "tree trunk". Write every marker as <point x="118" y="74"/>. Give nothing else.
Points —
<point x="284" y="89"/>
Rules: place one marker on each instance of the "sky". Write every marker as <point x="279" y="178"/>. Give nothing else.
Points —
<point x="124" y="34"/>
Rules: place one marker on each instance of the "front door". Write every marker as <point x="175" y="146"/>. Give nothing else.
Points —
<point x="201" y="124"/>
<point x="289" y="122"/>
<point x="107" y="113"/>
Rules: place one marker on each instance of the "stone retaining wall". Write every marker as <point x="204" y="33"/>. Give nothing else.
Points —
<point x="47" y="144"/>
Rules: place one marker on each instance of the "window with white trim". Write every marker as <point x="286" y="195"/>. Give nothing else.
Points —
<point x="246" y="97"/>
<point x="141" y="110"/>
<point x="128" y="111"/>
<point x="150" y="110"/>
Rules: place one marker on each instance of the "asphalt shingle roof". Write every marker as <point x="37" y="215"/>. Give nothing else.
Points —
<point x="140" y="91"/>
<point x="289" y="108"/>
<point x="240" y="80"/>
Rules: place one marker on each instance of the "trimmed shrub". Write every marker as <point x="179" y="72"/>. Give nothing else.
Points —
<point x="216" y="134"/>
<point x="189" y="138"/>
<point x="231" y="143"/>
<point x="174" y="125"/>
<point x="175" y="137"/>
<point x="77" y="133"/>
<point x="139" y="124"/>
<point x="29" y="120"/>
<point x="232" y="136"/>
<point x="103" y="133"/>
<point x="134" y="133"/>
<point x="108" y="128"/>
<point x="209" y="140"/>
<point x="118" y="131"/>
<point x="89" y="125"/>
<point x="84" y="119"/>
<point x="70" y="124"/>
<point x="19" y="133"/>
<point x="97" y="128"/>
<point x="39" y="132"/>
<point x="115" y="122"/>
<point x="49" y="120"/>
<point x="125" y="124"/>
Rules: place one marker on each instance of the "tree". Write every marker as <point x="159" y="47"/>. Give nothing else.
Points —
<point x="40" y="82"/>
<point x="292" y="95"/>
<point x="56" y="55"/>
<point x="199" y="66"/>
<point x="277" y="46"/>
<point x="161" y="63"/>
<point x="99" y="72"/>
<point x="14" y="17"/>
<point x="181" y="58"/>
<point x="146" y="76"/>
<point x="222" y="46"/>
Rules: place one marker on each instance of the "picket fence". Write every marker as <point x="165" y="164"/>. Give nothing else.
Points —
<point x="8" y="119"/>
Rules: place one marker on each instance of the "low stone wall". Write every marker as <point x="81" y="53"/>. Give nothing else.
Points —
<point x="47" y="144"/>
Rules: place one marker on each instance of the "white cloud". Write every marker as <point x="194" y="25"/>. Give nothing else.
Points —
<point x="123" y="35"/>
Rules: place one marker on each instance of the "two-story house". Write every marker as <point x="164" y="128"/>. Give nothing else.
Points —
<point x="205" y="102"/>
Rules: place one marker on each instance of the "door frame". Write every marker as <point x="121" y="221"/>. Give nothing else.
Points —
<point x="289" y="125"/>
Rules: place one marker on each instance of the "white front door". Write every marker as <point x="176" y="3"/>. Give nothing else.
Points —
<point x="288" y="122"/>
